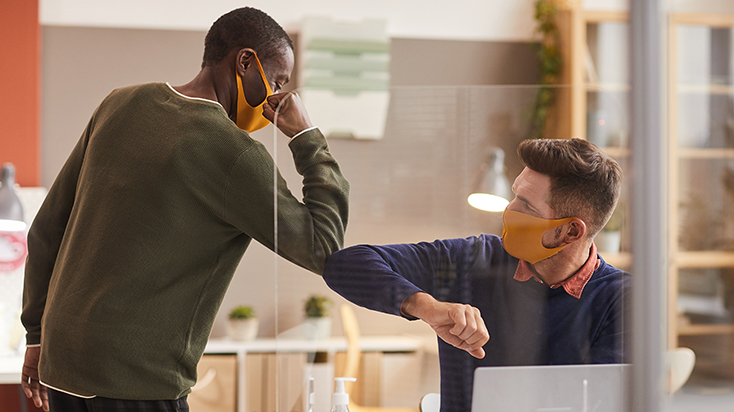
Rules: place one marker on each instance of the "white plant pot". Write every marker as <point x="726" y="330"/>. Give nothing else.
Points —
<point x="608" y="242"/>
<point x="317" y="328"/>
<point x="242" y="329"/>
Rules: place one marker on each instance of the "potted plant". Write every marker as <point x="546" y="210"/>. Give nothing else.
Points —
<point x="550" y="61"/>
<point x="610" y="237"/>
<point x="242" y="324"/>
<point x="317" y="324"/>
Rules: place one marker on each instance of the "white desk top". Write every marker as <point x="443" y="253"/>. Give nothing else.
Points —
<point x="10" y="369"/>
<point x="367" y="344"/>
<point x="11" y="366"/>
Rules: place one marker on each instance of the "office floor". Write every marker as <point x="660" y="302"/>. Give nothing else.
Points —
<point x="703" y="392"/>
<point x="696" y="400"/>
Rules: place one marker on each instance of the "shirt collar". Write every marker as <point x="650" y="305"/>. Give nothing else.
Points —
<point x="574" y="285"/>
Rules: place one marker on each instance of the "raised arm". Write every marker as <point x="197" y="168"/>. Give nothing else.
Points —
<point x="308" y="231"/>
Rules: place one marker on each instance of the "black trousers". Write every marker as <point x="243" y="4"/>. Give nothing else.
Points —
<point x="61" y="402"/>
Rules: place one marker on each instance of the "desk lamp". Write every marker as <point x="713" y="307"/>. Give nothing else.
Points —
<point x="492" y="191"/>
<point x="11" y="211"/>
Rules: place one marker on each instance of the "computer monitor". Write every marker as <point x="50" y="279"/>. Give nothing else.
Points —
<point x="555" y="388"/>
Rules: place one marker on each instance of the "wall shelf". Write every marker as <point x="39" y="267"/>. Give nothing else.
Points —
<point x="607" y="87"/>
<point x="616" y="152"/>
<point x="618" y="260"/>
<point x="705" y="153"/>
<point x="705" y="56"/>
<point x="704" y="259"/>
<point x="705" y="329"/>
<point x="589" y="45"/>
<point x="706" y="89"/>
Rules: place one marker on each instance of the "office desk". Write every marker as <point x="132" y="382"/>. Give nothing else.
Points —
<point x="11" y="366"/>
<point x="10" y="369"/>
<point x="289" y="345"/>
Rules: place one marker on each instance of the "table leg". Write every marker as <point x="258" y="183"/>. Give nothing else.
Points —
<point x="23" y="403"/>
<point x="241" y="381"/>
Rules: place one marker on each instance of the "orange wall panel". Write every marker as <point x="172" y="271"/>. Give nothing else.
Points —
<point x="20" y="89"/>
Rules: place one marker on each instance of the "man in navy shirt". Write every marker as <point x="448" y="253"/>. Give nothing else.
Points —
<point x="541" y="291"/>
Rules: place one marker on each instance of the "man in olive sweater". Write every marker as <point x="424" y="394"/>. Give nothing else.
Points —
<point x="134" y="247"/>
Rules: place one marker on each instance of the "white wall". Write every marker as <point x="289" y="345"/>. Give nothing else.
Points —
<point x="506" y="20"/>
<point x="434" y="19"/>
<point x="679" y="6"/>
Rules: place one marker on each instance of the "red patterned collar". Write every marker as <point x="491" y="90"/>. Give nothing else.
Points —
<point x="574" y="285"/>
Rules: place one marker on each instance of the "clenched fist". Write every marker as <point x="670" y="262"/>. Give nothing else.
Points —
<point x="457" y="324"/>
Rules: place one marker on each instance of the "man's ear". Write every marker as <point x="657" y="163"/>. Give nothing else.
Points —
<point x="245" y="57"/>
<point x="575" y="230"/>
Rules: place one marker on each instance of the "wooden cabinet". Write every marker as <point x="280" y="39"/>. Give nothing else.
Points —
<point x="594" y="83"/>
<point x="270" y="374"/>
<point x="593" y="103"/>
<point x="701" y="211"/>
<point x="215" y="390"/>
<point x="592" y="100"/>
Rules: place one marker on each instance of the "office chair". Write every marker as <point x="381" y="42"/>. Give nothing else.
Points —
<point x="680" y="362"/>
<point x="351" y="366"/>
<point x="431" y="402"/>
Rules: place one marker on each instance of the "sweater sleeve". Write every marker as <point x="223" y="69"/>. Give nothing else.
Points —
<point x="307" y="232"/>
<point x="381" y="277"/>
<point x="45" y="237"/>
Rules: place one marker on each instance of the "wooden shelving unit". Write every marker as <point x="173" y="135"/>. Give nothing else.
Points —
<point x="578" y="30"/>
<point x="703" y="153"/>
<point x="705" y="329"/>
<point x="571" y="102"/>
<point x="619" y="260"/>
<point x="682" y="154"/>
<point x="703" y="259"/>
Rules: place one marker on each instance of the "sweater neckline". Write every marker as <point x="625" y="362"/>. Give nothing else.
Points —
<point x="193" y="98"/>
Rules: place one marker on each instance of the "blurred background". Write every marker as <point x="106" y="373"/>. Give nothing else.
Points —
<point x="453" y="83"/>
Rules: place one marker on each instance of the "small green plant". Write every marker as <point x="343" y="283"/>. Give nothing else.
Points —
<point x="550" y="59"/>
<point x="317" y="306"/>
<point x="616" y="221"/>
<point x="242" y="312"/>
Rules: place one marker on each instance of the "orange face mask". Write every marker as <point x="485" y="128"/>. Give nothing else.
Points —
<point x="522" y="235"/>
<point x="250" y="118"/>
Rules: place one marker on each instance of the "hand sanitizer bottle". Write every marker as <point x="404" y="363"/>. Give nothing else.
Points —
<point x="311" y="395"/>
<point x="340" y="398"/>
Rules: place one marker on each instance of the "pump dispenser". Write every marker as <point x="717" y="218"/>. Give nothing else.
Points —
<point x="340" y="398"/>
<point x="11" y="211"/>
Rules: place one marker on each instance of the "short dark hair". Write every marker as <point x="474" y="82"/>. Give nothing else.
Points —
<point x="585" y="182"/>
<point x="244" y="28"/>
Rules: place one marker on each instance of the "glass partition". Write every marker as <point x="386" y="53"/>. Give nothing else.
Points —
<point x="701" y="112"/>
<point x="411" y="185"/>
<point x="412" y="156"/>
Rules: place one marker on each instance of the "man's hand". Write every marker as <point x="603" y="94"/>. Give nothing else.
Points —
<point x="292" y="115"/>
<point x="31" y="384"/>
<point x="457" y="324"/>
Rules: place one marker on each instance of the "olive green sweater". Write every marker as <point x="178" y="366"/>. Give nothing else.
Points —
<point x="134" y="247"/>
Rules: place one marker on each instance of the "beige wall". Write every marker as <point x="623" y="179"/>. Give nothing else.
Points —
<point x="409" y="186"/>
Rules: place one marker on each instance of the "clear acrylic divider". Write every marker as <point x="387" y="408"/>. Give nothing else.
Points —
<point x="410" y="184"/>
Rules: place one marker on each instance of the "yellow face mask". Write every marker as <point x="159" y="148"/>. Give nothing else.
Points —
<point x="250" y="118"/>
<point x="522" y="235"/>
